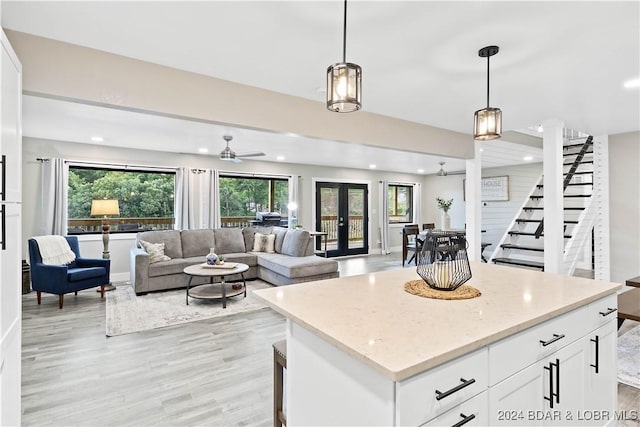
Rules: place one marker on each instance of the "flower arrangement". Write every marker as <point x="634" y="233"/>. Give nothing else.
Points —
<point x="443" y="204"/>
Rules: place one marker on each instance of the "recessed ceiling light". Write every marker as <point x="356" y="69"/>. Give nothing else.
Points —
<point x="527" y="158"/>
<point x="420" y="170"/>
<point x="632" y="84"/>
<point x="280" y="158"/>
<point x="481" y="150"/>
<point x="97" y="139"/>
<point x="372" y="166"/>
<point x="203" y="150"/>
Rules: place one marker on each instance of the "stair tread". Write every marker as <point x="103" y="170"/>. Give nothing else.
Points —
<point x="577" y="145"/>
<point x="575" y="154"/>
<point x="539" y="220"/>
<point x="573" y="184"/>
<point x="583" y="162"/>
<point x="521" y="262"/>
<point x="527" y="233"/>
<point x="523" y="248"/>
<point x="566" y="195"/>
<point x="541" y="208"/>
<point x="579" y="173"/>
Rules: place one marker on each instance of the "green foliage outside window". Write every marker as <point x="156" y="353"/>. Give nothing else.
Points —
<point x="140" y="194"/>
<point x="400" y="203"/>
<point x="243" y="197"/>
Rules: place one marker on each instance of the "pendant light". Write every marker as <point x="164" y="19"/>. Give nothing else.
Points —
<point x="344" y="80"/>
<point x="487" y="123"/>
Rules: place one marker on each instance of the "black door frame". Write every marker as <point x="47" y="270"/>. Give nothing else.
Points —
<point x="343" y="216"/>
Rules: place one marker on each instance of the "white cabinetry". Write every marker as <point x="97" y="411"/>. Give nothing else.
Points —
<point x="11" y="234"/>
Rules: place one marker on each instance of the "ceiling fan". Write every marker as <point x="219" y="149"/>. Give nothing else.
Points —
<point x="229" y="155"/>
<point x="443" y="172"/>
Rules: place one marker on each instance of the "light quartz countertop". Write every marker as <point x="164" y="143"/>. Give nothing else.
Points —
<point x="373" y="319"/>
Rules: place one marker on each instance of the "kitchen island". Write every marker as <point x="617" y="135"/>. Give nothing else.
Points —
<point x="534" y="349"/>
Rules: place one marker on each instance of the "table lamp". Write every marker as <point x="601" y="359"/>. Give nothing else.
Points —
<point x="105" y="207"/>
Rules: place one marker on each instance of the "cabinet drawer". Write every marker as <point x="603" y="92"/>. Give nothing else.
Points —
<point x="475" y="410"/>
<point x="425" y="396"/>
<point x="601" y="312"/>
<point x="516" y="352"/>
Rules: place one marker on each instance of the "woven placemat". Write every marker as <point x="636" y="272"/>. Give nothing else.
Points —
<point x="420" y="288"/>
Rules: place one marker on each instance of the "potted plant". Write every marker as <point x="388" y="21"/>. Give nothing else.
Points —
<point x="444" y="206"/>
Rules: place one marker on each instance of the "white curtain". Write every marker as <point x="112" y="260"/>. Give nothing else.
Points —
<point x="55" y="175"/>
<point x="417" y="204"/>
<point x="211" y="200"/>
<point x="384" y="217"/>
<point x="293" y="201"/>
<point x="184" y="206"/>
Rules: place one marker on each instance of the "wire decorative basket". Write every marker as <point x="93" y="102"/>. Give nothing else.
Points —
<point x="443" y="262"/>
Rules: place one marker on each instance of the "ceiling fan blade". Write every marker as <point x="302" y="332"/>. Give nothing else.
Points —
<point x="254" y="154"/>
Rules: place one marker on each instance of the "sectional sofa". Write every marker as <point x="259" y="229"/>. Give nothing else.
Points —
<point x="292" y="259"/>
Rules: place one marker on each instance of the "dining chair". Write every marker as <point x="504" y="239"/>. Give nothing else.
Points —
<point x="428" y="226"/>
<point x="411" y="243"/>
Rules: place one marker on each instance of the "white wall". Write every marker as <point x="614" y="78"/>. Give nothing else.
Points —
<point x="91" y="246"/>
<point x="496" y="216"/>
<point x="624" y="205"/>
<point x="445" y="187"/>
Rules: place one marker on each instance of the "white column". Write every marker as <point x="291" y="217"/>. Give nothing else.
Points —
<point x="600" y="196"/>
<point x="472" y="205"/>
<point x="553" y="195"/>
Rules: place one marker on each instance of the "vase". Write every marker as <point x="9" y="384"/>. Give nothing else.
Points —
<point x="212" y="258"/>
<point x="445" y="221"/>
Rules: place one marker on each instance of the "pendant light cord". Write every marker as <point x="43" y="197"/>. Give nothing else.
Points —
<point x="344" y="34"/>
<point x="488" y="80"/>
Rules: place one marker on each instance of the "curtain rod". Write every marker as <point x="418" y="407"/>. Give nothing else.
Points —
<point x="121" y="165"/>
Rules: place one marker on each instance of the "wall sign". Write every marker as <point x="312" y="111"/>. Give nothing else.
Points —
<point x="492" y="189"/>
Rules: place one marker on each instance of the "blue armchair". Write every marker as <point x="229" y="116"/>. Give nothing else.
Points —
<point x="82" y="273"/>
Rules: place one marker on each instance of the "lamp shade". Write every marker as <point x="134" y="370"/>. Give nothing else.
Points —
<point x="105" y="207"/>
<point x="487" y="124"/>
<point x="344" y="87"/>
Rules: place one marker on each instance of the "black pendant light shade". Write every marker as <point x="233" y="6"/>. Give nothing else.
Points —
<point x="344" y="81"/>
<point x="487" y="123"/>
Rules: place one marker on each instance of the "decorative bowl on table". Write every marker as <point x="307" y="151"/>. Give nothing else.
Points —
<point x="443" y="262"/>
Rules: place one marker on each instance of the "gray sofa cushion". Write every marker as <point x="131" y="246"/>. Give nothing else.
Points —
<point x="295" y="267"/>
<point x="197" y="242"/>
<point x="280" y="232"/>
<point x="248" y="258"/>
<point x="229" y="240"/>
<point x="295" y="243"/>
<point x="173" y="266"/>
<point x="170" y="238"/>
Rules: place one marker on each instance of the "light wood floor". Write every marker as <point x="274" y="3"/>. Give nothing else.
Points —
<point x="214" y="372"/>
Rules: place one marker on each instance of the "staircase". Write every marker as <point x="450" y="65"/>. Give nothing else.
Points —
<point x="523" y="243"/>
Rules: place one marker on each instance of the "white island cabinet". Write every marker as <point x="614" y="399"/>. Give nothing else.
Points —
<point x="533" y="349"/>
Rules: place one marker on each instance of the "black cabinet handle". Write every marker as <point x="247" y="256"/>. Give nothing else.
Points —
<point x="555" y="338"/>
<point x="558" y="381"/>
<point x="4" y="178"/>
<point x="465" y="419"/>
<point x="597" y="343"/>
<point x="550" y="398"/>
<point x="553" y="393"/>
<point x="465" y="383"/>
<point x="3" y="213"/>
<point x="608" y="312"/>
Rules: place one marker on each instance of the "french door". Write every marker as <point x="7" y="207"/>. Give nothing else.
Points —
<point x="342" y="212"/>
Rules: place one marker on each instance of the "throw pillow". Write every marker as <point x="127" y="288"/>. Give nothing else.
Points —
<point x="264" y="243"/>
<point x="155" y="251"/>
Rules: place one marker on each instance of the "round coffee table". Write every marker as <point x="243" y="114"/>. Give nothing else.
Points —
<point x="215" y="290"/>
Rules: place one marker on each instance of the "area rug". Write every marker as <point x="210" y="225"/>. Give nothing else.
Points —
<point x="629" y="358"/>
<point x="128" y="313"/>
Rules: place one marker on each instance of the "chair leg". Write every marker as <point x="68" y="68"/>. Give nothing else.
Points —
<point x="39" y="297"/>
<point x="76" y="293"/>
<point x="60" y="300"/>
<point x="101" y="291"/>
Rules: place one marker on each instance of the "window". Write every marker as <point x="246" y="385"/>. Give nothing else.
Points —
<point x="242" y="197"/>
<point x="400" y="203"/>
<point x="145" y="199"/>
